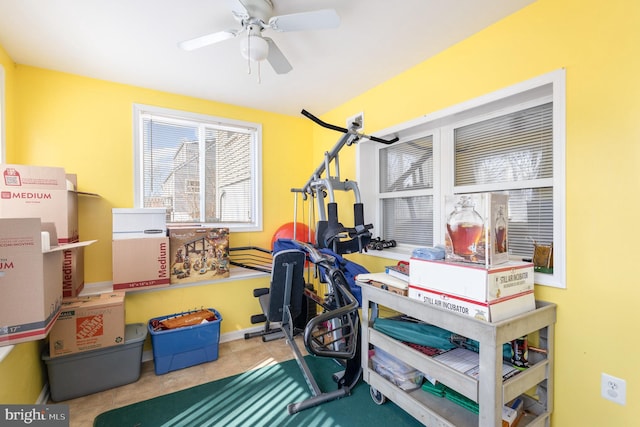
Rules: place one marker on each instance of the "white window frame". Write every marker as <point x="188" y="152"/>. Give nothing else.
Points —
<point x="541" y="89"/>
<point x="256" y="162"/>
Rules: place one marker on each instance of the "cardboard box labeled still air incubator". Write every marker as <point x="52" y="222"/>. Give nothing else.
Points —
<point x="88" y="323"/>
<point x="476" y="228"/>
<point x="472" y="281"/>
<point x="493" y="311"/>
<point x="198" y="254"/>
<point x="30" y="279"/>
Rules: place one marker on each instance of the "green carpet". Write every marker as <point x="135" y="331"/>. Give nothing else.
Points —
<point x="260" y="398"/>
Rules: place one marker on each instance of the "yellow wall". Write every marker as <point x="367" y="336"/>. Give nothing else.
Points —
<point x="596" y="42"/>
<point x="85" y="126"/>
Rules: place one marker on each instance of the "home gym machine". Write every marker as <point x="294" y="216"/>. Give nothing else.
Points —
<point x="330" y="233"/>
<point x="334" y="333"/>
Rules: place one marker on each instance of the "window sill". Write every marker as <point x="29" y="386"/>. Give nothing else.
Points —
<point x="399" y="253"/>
<point x="236" y="273"/>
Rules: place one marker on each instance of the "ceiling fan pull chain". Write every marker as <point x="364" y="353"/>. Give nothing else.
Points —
<point x="249" y="53"/>
<point x="259" y="75"/>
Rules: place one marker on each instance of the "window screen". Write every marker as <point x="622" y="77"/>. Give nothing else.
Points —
<point x="514" y="152"/>
<point x="404" y="168"/>
<point x="199" y="171"/>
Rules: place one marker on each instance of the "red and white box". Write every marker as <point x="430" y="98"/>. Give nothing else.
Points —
<point x="493" y="311"/>
<point x="140" y="263"/>
<point x="472" y="281"/>
<point x="40" y="192"/>
<point x="30" y="279"/>
<point x="50" y="194"/>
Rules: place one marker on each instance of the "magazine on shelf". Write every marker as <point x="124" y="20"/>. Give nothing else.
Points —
<point x="468" y="362"/>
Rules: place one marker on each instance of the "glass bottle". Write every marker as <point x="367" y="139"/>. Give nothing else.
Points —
<point x="500" y="228"/>
<point x="465" y="226"/>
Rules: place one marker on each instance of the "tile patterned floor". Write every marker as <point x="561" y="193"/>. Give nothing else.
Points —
<point x="234" y="357"/>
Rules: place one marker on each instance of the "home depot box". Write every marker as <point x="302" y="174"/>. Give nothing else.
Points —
<point x="140" y="262"/>
<point x="88" y="323"/>
<point x="40" y="192"/>
<point x="198" y="254"/>
<point x="477" y="228"/>
<point x="472" y="281"/>
<point x="30" y="279"/>
<point x="493" y="311"/>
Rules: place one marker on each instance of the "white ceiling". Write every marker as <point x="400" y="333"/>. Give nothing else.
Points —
<point x="136" y="42"/>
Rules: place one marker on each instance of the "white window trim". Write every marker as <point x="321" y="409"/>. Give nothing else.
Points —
<point x="551" y="85"/>
<point x="139" y="109"/>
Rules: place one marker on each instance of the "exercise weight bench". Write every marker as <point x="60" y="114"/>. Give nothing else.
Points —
<point x="334" y="333"/>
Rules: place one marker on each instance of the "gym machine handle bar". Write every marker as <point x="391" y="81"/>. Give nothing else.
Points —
<point x="345" y="130"/>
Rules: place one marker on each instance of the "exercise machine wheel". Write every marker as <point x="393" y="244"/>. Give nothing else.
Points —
<point x="377" y="396"/>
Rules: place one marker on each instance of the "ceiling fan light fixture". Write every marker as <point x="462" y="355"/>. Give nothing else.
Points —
<point x="254" y="47"/>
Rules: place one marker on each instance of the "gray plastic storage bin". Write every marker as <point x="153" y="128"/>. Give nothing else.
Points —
<point x="92" y="371"/>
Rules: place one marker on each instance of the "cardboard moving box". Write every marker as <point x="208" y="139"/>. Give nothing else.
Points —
<point x="30" y="279"/>
<point x="472" y="281"/>
<point x="494" y="311"/>
<point x="40" y="192"/>
<point x="140" y="263"/>
<point x="88" y="323"/>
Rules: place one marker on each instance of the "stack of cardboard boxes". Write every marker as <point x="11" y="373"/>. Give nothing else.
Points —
<point x="476" y="279"/>
<point x="148" y="254"/>
<point x="41" y="257"/>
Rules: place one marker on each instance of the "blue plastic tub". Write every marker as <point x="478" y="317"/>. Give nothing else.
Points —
<point x="180" y="348"/>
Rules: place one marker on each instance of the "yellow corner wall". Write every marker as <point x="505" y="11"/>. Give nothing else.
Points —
<point x="597" y="43"/>
<point x="85" y="125"/>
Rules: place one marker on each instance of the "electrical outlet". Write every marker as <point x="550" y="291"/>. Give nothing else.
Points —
<point x="358" y="120"/>
<point x="614" y="389"/>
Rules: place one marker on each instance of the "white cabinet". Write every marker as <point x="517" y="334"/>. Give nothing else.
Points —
<point x="489" y="390"/>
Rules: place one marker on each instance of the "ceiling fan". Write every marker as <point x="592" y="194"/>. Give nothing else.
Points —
<point x="255" y="16"/>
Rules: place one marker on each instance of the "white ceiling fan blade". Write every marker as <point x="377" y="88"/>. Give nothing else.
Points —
<point x="277" y="59"/>
<point x="202" y="41"/>
<point x="316" y="20"/>
<point x="238" y="9"/>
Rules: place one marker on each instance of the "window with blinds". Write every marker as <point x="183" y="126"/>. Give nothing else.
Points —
<point x="406" y="168"/>
<point x="202" y="169"/>
<point x="509" y="141"/>
<point x="512" y="153"/>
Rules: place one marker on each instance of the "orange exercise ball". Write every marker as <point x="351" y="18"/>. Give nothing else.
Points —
<point x="285" y="231"/>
